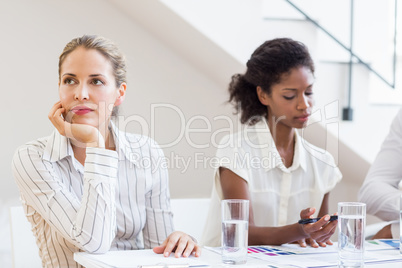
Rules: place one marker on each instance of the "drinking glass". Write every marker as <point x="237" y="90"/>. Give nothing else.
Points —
<point x="234" y="231"/>
<point x="351" y="225"/>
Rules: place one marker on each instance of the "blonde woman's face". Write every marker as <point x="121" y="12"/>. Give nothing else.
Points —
<point x="87" y="88"/>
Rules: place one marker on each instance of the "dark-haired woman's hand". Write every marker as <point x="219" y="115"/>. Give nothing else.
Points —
<point x="309" y="241"/>
<point x="80" y="134"/>
<point x="320" y="232"/>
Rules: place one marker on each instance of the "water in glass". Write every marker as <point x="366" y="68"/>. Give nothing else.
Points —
<point x="351" y="241"/>
<point x="235" y="241"/>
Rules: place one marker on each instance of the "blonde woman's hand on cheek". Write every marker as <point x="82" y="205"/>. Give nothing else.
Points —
<point x="180" y="243"/>
<point x="81" y="134"/>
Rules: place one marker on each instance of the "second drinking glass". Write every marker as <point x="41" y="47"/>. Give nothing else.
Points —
<point x="351" y="225"/>
<point x="234" y="231"/>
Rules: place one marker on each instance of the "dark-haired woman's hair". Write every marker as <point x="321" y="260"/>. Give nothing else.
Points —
<point x="265" y="68"/>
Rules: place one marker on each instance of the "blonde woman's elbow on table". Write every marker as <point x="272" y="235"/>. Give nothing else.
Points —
<point x="180" y="243"/>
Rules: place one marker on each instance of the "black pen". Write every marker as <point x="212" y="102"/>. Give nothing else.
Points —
<point x="305" y="221"/>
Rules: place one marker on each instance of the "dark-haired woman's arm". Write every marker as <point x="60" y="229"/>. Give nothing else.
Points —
<point x="234" y="187"/>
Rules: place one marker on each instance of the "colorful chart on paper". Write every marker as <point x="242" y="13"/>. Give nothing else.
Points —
<point x="270" y="251"/>
<point x="394" y="243"/>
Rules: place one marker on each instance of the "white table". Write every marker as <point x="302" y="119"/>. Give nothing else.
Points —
<point x="131" y="259"/>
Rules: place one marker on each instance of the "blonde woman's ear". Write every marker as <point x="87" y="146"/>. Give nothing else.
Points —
<point x="122" y="94"/>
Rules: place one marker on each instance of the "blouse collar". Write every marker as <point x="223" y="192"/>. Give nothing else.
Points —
<point x="271" y="154"/>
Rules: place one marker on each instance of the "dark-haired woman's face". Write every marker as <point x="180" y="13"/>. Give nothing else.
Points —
<point x="291" y="100"/>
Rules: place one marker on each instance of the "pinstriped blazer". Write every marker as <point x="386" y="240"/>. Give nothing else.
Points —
<point x="119" y="200"/>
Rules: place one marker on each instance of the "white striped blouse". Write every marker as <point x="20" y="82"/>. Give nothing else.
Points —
<point x="119" y="200"/>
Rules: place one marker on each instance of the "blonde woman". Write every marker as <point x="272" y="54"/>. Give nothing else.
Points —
<point x="81" y="187"/>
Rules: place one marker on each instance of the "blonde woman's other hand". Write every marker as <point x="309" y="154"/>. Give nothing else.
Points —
<point x="180" y="243"/>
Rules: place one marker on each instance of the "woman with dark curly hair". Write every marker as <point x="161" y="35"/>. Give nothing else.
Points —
<point x="269" y="163"/>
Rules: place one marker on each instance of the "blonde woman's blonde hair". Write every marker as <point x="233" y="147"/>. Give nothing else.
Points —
<point x="106" y="47"/>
